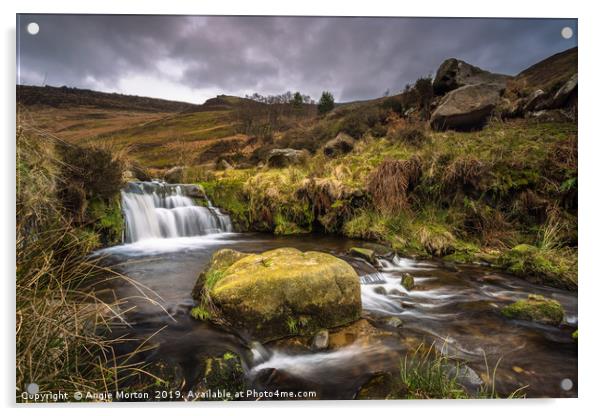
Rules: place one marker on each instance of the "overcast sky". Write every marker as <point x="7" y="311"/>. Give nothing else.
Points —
<point x="192" y="58"/>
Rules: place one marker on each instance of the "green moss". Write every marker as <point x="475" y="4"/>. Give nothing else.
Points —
<point x="407" y="281"/>
<point x="227" y="193"/>
<point x="199" y="312"/>
<point x="364" y="253"/>
<point x="283" y="292"/>
<point x="553" y="267"/>
<point x="291" y="323"/>
<point x="575" y="334"/>
<point x="535" y="308"/>
<point x="212" y="277"/>
<point x="107" y="220"/>
<point x="224" y="373"/>
<point x="286" y="227"/>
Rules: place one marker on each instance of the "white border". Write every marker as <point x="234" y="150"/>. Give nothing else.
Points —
<point x="590" y="139"/>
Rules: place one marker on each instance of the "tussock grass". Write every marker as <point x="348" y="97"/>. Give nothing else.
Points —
<point x="390" y="183"/>
<point x="429" y="374"/>
<point x="63" y="330"/>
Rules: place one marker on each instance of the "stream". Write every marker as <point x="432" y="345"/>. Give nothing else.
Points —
<point x="456" y="309"/>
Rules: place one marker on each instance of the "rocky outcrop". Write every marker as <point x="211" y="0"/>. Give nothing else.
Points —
<point x="454" y="73"/>
<point x="466" y="108"/>
<point x="280" y="292"/>
<point x="174" y="175"/>
<point x="547" y="116"/>
<point x="340" y="145"/>
<point x="566" y="95"/>
<point x="280" y="158"/>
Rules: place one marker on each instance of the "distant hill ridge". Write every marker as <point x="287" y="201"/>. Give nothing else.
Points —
<point x="62" y="97"/>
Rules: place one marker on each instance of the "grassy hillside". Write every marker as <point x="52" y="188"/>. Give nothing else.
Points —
<point x="477" y="196"/>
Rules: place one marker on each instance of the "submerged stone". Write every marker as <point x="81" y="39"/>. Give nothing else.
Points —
<point x="280" y="292"/>
<point x="536" y="308"/>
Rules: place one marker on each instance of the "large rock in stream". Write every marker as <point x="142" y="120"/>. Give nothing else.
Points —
<point x="280" y="292"/>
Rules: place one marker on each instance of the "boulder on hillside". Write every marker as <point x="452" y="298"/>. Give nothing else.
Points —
<point x="566" y="95"/>
<point x="280" y="158"/>
<point x="174" y="175"/>
<point x="340" y="145"/>
<point x="223" y="164"/>
<point x="466" y="108"/>
<point x="533" y="101"/>
<point x="280" y="292"/>
<point x="454" y="73"/>
<point x="192" y="190"/>
<point x="551" y="116"/>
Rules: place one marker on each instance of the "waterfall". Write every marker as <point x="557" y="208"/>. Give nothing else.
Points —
<point x="159" y="210"/>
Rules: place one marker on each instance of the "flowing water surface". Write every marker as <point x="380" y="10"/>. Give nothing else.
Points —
<point x="456" y="309"/>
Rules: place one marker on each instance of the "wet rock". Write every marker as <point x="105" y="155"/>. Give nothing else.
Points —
<point x="451" y="266"/>
<point x="281" y="292"/>
<point x="465" y="376"/>
<point x="382" y="386"/>
<point x="223" y="373"/>
<point x="395" y="292"/>
<point x="407" y="281"/>
<point x="280" y="158"/>
<point x="536" y="308"/>
<point x="340" y="145"/>
<point x="320" y="341"/>
<point x="394" y="322"/>
<point x="466" y="108"/>
<point x="454" y="73"/>
<point x="364" y="253"/>
<point x="174" y="175"/>
<point x="379" y="249"/>
<point x="361" y="332"/>
<point x="380" y="290"/>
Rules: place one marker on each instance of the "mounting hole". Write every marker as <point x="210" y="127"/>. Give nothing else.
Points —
<point x="566" y="384"/>
<point x="33" y="28"/>
<point x="566" y="32"/>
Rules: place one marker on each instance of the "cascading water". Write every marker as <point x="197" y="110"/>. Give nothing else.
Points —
<point x="159" y="210"/>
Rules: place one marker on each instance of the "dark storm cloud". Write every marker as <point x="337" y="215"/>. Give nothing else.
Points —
<point x="356" y="58"/>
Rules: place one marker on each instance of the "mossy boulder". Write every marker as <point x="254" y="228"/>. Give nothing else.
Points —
<point x="539" y="266"/>
<point x="280" y="292"/>
<point x="407" y="281"/>
<point x="535" y="308"/>
<point x="224" y="375"/>
<point x="363" y="253"/>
